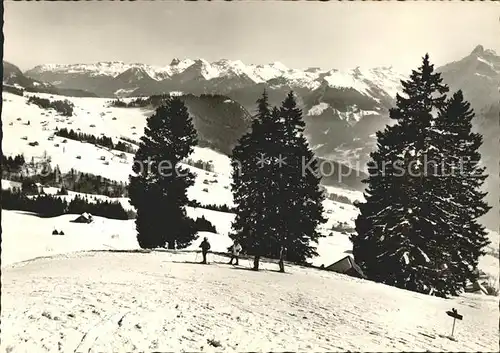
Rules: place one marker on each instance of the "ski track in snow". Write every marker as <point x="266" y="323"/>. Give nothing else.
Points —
<point x="103" y="302"/>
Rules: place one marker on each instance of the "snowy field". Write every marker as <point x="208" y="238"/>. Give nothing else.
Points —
<point x="20" y="228"/>
<point x="104" y="302"/>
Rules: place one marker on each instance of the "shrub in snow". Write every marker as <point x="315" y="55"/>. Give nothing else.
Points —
<point x="214" y="343"/>
<point x="491" y="285"/>
<point x="203" y="225"/>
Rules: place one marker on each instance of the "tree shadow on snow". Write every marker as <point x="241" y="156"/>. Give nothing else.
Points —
<point x="278" y="271"/>
<point x="131" y="251"/>
<point x="260" y="270"/>
<point x="188" y="262"/>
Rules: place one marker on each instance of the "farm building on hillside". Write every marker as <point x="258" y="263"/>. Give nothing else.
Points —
<point x="346" y="266"/>
<point x="476" y="288"/>
<point x="83" y="218"/>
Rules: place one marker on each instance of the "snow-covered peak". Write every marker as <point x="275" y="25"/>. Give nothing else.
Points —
<point x="478" y="50"/>
<point x="279" y="66"/>
<point x="206" y="69"/>
<point x="481" y="62"/>
<point x="269" y="71"/>
<point x="177" y="66"/>
<point x="485" y="55"/>
<point x="134" y="74"/>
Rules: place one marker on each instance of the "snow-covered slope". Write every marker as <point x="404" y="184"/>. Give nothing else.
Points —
<point x="91" y="116"/>
<point x="26" y="236"/>
<point x="103" y="302"/>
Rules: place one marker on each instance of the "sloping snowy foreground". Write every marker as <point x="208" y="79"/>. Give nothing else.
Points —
<point x="159" y="301"/>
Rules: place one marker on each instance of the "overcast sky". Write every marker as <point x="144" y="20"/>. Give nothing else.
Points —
<point x="298" y="34"/>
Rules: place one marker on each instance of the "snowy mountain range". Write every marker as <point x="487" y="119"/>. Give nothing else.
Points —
<point x="183" y="71"/>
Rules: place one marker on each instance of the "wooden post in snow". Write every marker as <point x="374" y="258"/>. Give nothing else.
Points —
<point x="455" y="315"/>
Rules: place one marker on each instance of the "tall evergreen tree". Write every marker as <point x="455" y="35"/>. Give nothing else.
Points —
<point x="459" y="198"/>
<point x="278" y="201"/>
<point x="301" y="195"/>
<point x="158" y="190"/>
<point x="399" y="230"/>
<point x="250" y="162"/>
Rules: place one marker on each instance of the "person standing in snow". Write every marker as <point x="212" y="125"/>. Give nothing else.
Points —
<point x="235" y="252"/>
<point x="282" y="258"/>
<point x="205" y="246"/>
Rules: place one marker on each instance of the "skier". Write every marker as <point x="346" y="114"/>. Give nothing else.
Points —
<point x="205" y="246"/>
<point x="235" y="252"/>
<point x="282" y="258"/>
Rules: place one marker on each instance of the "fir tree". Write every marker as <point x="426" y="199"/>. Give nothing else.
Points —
<point x="278" y="203"/>
<point x="252" y="164"/>
<point x="400" y="239"/>
<point x="158" y="190"/>
<point x="459" y="199"/>
<point x="302" y="193"/>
